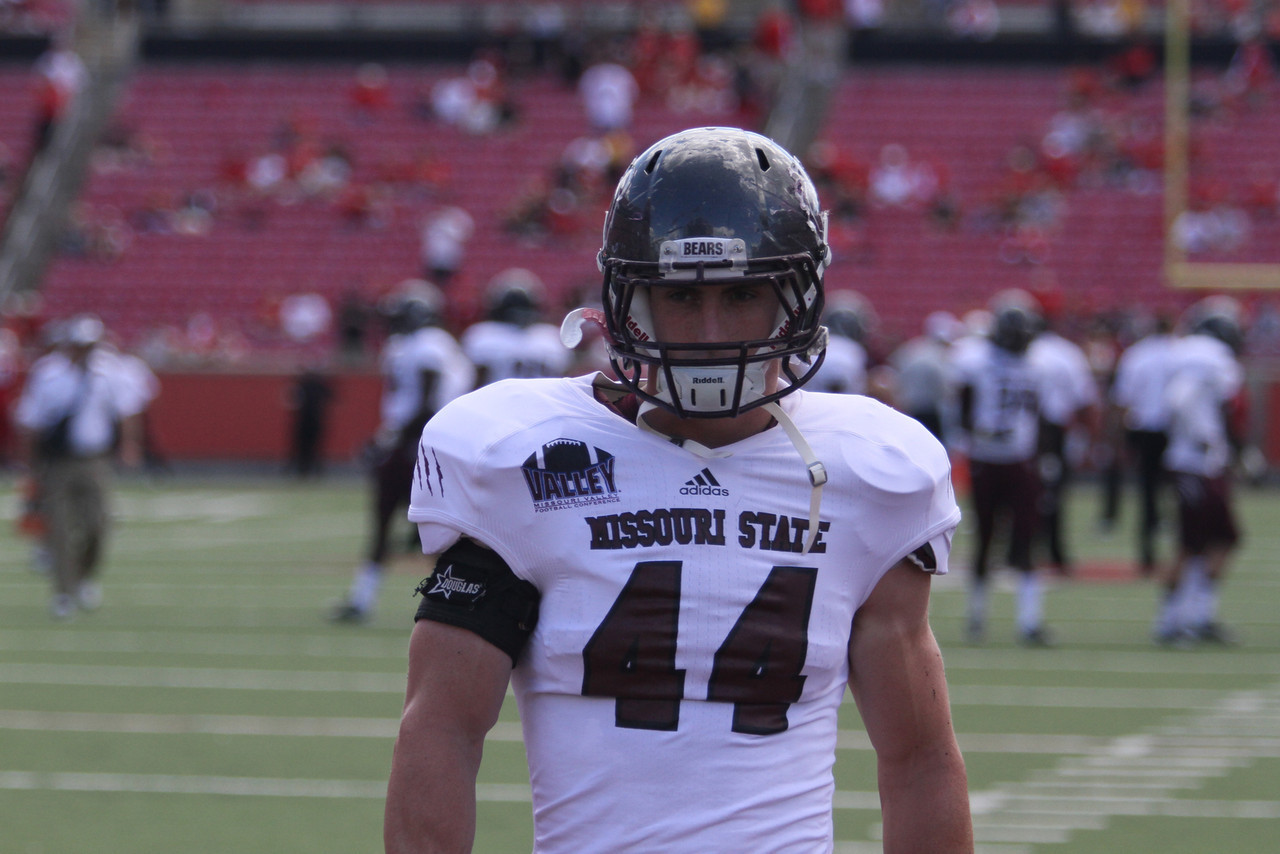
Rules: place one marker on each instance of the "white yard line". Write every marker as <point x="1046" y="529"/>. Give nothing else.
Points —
<point x="116" y="676"/>
<point x="1147" y="774"/>
<point x="131" y="676"/>
<point x="256" y="644"/>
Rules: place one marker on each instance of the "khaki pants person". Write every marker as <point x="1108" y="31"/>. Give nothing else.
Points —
<point x="74" y="499"/>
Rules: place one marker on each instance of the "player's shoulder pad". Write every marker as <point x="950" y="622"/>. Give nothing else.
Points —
<point x="885" y="448"/>
<point x="473" y="588"/>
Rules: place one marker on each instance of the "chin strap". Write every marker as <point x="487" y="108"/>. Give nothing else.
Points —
<point x="816" y="470"/>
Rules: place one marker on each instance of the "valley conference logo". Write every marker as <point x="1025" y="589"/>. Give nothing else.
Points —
<point x="566" y="473"/>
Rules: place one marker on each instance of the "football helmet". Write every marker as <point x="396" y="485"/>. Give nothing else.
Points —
<point x="1015" y="322"/>
<point x="515" y="296"/>
<point x="413" y="305"/>
<point x="849" y="314"/>
<point x="1218" y="317"/>
<point x="714" y="205"/>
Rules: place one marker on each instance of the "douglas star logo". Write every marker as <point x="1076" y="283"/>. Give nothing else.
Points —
<point x="445" y="584"/>
<point x="568" y="473"/>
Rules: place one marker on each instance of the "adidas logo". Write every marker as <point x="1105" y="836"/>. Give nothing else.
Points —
<point x="703" y="483"/>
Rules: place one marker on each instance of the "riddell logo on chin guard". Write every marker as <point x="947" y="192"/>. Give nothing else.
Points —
<point x="706" y="380"/>
<point x="703" y="483"/>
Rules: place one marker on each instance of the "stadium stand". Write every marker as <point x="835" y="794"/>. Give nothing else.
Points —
<point x="179" y="125"/>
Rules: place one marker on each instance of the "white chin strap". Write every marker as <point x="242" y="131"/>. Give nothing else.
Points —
<point x="816" y="470"/>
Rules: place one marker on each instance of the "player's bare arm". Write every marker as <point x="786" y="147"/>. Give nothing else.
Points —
<point x="897" y="679"/>
<point x="457" y="683"/>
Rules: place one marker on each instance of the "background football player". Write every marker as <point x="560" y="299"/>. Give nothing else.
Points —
<point x="514" y="340"/>
<point x="1205" y="383"/>
<point x="423" y="368"/>
<point x="998" y="393"/>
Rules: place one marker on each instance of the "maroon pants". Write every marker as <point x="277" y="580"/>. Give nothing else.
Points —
<point x="1004" y="491"/>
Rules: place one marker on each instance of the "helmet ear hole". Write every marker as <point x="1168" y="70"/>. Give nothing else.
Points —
<point x="763" y="159"/>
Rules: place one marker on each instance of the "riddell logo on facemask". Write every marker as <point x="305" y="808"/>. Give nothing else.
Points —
<point x="703" y="483"/>
<point x="706" y="380"/>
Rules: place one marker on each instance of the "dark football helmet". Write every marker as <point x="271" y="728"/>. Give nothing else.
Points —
<point x="850" y="315"/>
<point x="1015" y="322"/>
<point x="714" y="206"/>
<point x="415" y="304"/>
<point x="1218" y="317"/>
<point x="515" y="296"/>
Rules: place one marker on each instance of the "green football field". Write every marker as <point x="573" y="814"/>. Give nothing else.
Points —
<point x="208" y="707"/>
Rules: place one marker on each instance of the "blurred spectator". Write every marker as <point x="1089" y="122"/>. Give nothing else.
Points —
<point x="1249" y="75"/>
<point x="974" y="19"/>
<point x="445" y="234"/>
<point x="60" y="75"/>
<point x="1207" y="226"/>
<point x="898" y="181"/>
<point x="309" y="399"/>
<point x="476" y="102"/>
<point x="305" y="317"/>
<point x="370" y="92"/>
<point x="862" y="15"/>
<point x="608" y="92"/>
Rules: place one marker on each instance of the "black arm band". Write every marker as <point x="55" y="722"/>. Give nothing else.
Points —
<point x="474" y="589"/>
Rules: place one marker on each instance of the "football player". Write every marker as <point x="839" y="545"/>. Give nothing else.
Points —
<point x="1205" y="381"/>
<point x="423" y="368"/>
<point x="680" y="571"/>
<point x="514" y="341"/>
<point x="998" y="394"/>
<point x="849" y="319"/>
<point x="1069" y="418"/>
<point x="1138" y="396"/>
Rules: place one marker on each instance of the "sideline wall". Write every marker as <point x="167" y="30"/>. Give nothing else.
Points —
<point x="247" y="417"/>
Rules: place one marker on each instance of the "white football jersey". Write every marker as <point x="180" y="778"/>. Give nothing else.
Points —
<point x="1006" y="401"/>
<point x="844" y="370"/>
<point x="1204" y="375"/>
<point x="508" y="351"/>
<point x="679" y="693"/>
<point x="1067" y="384"/>
<point x="405" y="358"/>
<point x="1142" y="372"/>
<point x="98" y="394"/>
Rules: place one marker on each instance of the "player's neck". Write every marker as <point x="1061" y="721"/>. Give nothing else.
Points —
<point x="710" y="432"/>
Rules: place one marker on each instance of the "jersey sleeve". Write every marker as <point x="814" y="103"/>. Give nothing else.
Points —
<point x="903" y="475"/>
<point x="453" y="494"/>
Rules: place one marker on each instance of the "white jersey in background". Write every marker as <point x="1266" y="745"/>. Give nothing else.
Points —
<point x="1005" y="407"/>
<point x="1204" y="376"/>
<point x="504" y="351"/>
<point x="404" y="358"/>
<point x="98" y="395"/>
<point x="1142" y="372"/>
<point x="1067" y="383"/>
<point x="844" y="371"/>
<point x="691" y="567"/>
